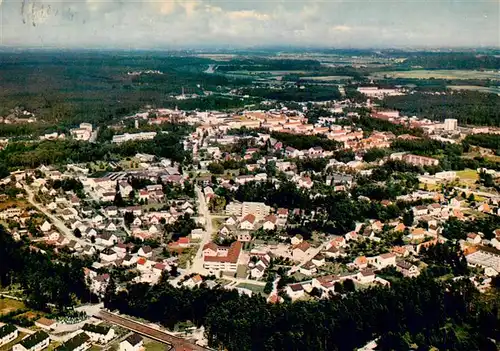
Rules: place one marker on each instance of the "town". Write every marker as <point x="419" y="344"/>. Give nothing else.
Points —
<point x="163" y="210"/>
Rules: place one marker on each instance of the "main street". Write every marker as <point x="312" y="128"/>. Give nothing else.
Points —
<point x="61" y="227"/>
<point x="197" y="265"/>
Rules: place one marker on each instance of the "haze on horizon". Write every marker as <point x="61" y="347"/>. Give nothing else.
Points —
<point x="242" y="23"/>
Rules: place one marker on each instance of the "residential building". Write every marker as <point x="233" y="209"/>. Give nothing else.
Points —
<point x="79" y="342"/>
<point x="8" y="333"/>
<point x="33" y="342"/>
<point x="221" y="258"/>
<point x="99" y="333"/>
<point x="132" y="343"/>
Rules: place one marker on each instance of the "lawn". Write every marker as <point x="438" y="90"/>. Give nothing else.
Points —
<point x="252" y="287"/>
<point x="153" y="345"/>
<point x="468" y="175"/>
<point x="9" y="305"/>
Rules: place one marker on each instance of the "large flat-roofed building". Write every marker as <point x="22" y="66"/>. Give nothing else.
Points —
<point x="417" y="160"/>
<point x="222" y="258"/>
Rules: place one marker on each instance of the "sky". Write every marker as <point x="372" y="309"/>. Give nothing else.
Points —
<point x="147" y="24"/>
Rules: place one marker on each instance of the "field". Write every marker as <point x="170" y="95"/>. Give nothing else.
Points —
<point x="468" y="175"/>
<point x="439" y="74"/>
<point x="494" y="90"/>
<point x="9" y="305"/>
<point x="326" y="78"/>
<point x="252" y="287"/>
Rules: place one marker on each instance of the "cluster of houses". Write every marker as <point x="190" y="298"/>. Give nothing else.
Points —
<point x="80" y="340"/>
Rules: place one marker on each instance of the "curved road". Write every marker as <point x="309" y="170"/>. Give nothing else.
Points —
<point x="68" y="233"/>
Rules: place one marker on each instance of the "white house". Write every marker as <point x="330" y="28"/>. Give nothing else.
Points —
<point x="99" y="333"/>
<point x="248" y="222"/>
<point x="46" y="323"/>
<point x="133" y="343"/>
<point x="45" y="227"/>
<point x="79" y="342"/>
<point x="8" y="333"/>
<point x="473" y="238"/>
<point x="33" y="342"/>
<point x="270" y="222"/>
<point x="295" y="291"/>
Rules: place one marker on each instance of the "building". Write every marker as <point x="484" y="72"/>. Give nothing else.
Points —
<point x="121" y="138"/>
<point x="241" y="209"/>
<point x="222" y="258"/>
<point x="46" y="324"/>
<point x="79" y="342"/>
<point x="34" y="342"/>
<point x="450" y="124"/>
<point x="407" y="269"/>
<point x="8" y="333"/>
<point x="133" y="343"/>
<point x="417" y="160"/>
<point x="484" y="257"/>
<point x="99" y="333"/>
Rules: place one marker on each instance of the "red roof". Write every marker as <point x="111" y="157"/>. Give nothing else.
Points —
<point x="184" y="240"/>
<point x="141" y="260"/>
<point x="211" y="246"/>
<point x="271" y="218"/>
<point x="249" y="218"/>
<point x="232" y="254"/>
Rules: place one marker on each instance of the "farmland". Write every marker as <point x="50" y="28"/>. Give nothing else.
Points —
<point x="438" y="74"/>
<point x="494" y="90"/>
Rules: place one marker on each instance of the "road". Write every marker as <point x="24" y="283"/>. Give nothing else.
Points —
<point x="93" y="136"/>
<point x="478" y="193"/>
<point x="178" y="343"/>
<point x="197" y="266"/>
<point x="61" y="227"/>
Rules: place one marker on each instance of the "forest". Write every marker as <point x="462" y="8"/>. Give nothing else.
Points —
<point x="421" y="311"/>
<point x="468" y="107"/>
<point x="455" y="60"/>
<point x="47" y="279"/>
<point x="308" y="93"/>
<point x="31" y="155"/>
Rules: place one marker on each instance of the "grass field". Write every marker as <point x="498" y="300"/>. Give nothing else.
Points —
<point x="326" y="78"/>
<point x="9" y="305"/>
<point x="252" y="287"/>
<point x="152" y="345"/>
<point x="493" y="90"/>
<point x="439" y="74"/>
<point x="468" y="174"/>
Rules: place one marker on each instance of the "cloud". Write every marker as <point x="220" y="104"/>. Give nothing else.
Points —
<point x="167" y="23"/>
<point x="341" y="28"/>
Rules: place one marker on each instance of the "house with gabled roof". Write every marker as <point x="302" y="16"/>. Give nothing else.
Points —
<point x="33" y="342"/>
<point x="8" y="333"/>
<point x="99" y="333"/>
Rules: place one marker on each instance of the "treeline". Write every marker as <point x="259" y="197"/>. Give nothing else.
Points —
<point x="458" y="60"/>
<point x="302" y="142"/>
<point x="47" y="279"/>
<point x="31" y="155"/>
<point x="468" y="107"/>
<point x="308" y="93"/>
<point x="413" y="311"/>
<point x="374" y="124"/>
<point x="490" y="141"/>
<point x="258" y="64"/>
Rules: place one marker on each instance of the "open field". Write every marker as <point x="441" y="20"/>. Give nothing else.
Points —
<point x="439" y="74"/>
<point x="326" y="78"/>
<point x="251" y="287"/>
<point x="9" y="305"/>
<point x="468" y="174"/>
<point x="494" y="90"/>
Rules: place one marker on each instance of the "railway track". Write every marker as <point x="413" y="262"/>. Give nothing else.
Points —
<point x="176" y="343"/>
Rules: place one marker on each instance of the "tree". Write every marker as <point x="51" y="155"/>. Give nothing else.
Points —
<point x="408" y="218"/>
<point x="215" y="168"/>
<point x="217" y="204"/>
<point x="128" y="218"/>
<point x="77" y="233"/>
